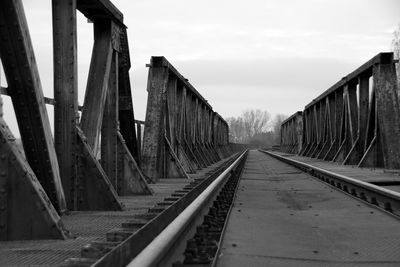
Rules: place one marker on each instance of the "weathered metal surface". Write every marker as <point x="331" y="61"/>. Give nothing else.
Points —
<point x="95" y="158"/>
<point x="127" y="168"/>
<point x="108" y="84"/>
<point x="162" y="216"/>
<point x="356" y="121"/>
<point x="86" y="227"/>
<point x="26" y="212"/>
<point x="25" y="88"/>
<point x="97" y="85"/>
<point x="65" y="92"/>
<point x="100" y="9"/>
<point x="110" y="125"/>
<point x="79" y="182"/>
<point x="182" y="133"/>
<point x="302" y="222"/>
<point x="126" y="114"/>
<point x="94" y="190"/>
<point x="292" y="133"/>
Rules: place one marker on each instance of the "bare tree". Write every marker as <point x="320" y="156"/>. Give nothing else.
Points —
<point x="236" y="129"/>
<point x="250" y="124"/>
<point x="276" y="127"/>
<point x="255" y="121"/>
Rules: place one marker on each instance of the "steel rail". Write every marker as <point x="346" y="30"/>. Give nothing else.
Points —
<point x="223" y="232"/>
<point x="386" y="199"/>
<point x="158" y="248"/>
<point x="124" y="252"/>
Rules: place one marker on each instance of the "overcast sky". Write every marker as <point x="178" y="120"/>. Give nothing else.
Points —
<point x="271" y="55"/>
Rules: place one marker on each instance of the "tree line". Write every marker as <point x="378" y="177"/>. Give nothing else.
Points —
<point x="255" y="127"/>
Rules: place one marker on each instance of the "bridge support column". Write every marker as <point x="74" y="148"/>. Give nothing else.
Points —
<point x="387" y="102"/>
<point x="26" y="93"/>
<point x="90" y="185"/>
<point x="25" y="210"/>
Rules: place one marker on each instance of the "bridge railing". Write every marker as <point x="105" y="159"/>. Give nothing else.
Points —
<point x="92" y="159"/>
<point x="107" y="125"/>
<point x="97" y="147"/>
<point x="292" y="133"/>
<point x="357" y="120"/>
<point x="182" y="132"/>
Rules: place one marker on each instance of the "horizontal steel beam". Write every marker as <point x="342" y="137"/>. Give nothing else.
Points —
<point x="381" y="58"/>
<point x="100" y="9"/>
<point x="292" y="117"/>
<point x="163" y="62"/>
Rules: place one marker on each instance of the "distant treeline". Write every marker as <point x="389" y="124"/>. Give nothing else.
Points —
<point x="255" y="127"/>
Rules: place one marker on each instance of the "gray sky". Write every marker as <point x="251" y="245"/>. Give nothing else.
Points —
<point x="271" y="55"/>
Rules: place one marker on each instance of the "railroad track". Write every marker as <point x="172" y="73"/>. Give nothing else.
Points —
<point x="379" y="197"/>
<point x="184" y="229"/>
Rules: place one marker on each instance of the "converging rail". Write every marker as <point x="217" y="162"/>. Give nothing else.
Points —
<point x="106" y="189"/>
<point x="156" y="253"/>
<point x="136" y="236"/>
<point x="283" y="215"/>
<point x="378" y="196"/>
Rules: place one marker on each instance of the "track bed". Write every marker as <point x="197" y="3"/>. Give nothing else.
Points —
<point x="285" y="217"/>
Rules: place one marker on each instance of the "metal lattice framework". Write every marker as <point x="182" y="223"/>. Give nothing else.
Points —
<point x="182" y="132"/>
<point x="96" y="153"/>
<point x="67" y="173"/>
<point x="292" y="133"/>
<point x="357" y="120"/>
